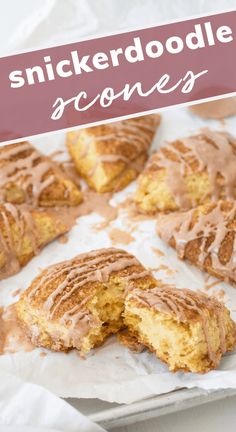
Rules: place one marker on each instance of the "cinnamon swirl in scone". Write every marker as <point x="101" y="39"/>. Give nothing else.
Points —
<point x="189" y="172"/>
<point x="23" y="232"/>
<point x="78" y="303"/>
<point x="206" y="236"/>
<point x="27" y="176"/>
<point x="187" y="330"/>
<point x="110" y="156"/>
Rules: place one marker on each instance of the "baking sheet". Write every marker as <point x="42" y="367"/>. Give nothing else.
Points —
<point x="182" y="399"/>
<point x="112" y="372"/>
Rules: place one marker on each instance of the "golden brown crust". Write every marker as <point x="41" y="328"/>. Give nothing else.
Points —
<point x="81" y="298"/>
<point x="187" y="330"/>
<point x="90" y="269"/>
<point x="110" y="156"/>
<point x="27" y="176"/>
<point x="205" y="236"/>
<point x="182" y="304"/>
<point x="189" y="172"/>
<point x="23" y="232"/>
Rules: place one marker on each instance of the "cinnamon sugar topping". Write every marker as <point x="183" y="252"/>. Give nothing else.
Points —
<point x="74" y="275"/>
<point x="21" y="163"/>
<point x="214" y="227"/>
<point x="10" y="245"/>
<point x="134" y="133"/>
<point x="210" y="152"/>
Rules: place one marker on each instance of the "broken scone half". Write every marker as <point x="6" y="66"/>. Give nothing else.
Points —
<point x="189" y="172"/>
<point x="188" y="331"/>
<point x="110" y="156"/>
<point x="205" y="236"/>
<point x="27" y="176"/>
<point x="78" y="303"/>
<point x="23" y="233"/>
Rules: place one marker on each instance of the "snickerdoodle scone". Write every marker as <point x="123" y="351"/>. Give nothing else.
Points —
<point x="205" y="236"/>
<point x="188" y="331"/>
<point x="23" y="233"/>
<point x="110" y="156"/>
<point x="79" y="302"/>
<point x="189" y="172"/>
<point x="29" y="177"/>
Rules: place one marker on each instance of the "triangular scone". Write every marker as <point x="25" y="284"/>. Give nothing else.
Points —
<point x="110" y="156"/>
<point x="206" y="236"/>
<point x="27" y="176"/>
<point x="189" y="172"/>
<point x="78" y="303"/>
<point x="187" y="330"/>
<point x="23" y="232"/>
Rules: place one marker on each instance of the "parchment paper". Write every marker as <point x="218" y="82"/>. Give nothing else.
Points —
<point x="112" y="372"/>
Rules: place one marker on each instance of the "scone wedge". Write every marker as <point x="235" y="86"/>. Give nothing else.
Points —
<point x="78" y="303"/>
<point x="188" y="331"/>
<point x="23" y="233"/>
<point x="189" y="172"/>
<point x="110" y="156"/>
<point x="205" y="236"/>
<point x="27" y="176"/>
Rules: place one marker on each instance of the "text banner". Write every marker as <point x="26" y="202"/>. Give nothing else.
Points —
<point x="114" y="76"/>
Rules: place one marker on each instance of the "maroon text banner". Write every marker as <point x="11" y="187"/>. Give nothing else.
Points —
<point x="115" y="76"/>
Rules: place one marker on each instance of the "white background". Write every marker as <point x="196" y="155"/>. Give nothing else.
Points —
<point x="125" y="15"/>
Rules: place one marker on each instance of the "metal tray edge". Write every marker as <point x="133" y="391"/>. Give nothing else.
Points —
<point x="157" y="406"/>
